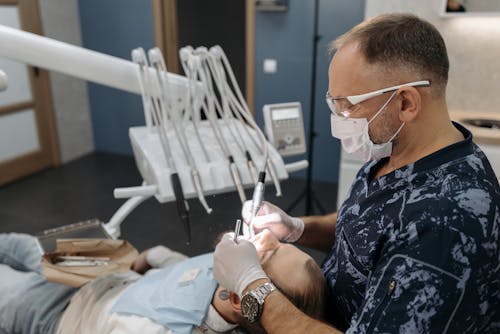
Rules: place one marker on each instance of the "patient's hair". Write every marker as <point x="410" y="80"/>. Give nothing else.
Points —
<point x="308" y="297"/>
<point x="402" y="42"/>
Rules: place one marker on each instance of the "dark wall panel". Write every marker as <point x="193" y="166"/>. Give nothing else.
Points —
<point x="215" y="22"/>
<point x="115" y="27"/>
<point x="288" y="37"/>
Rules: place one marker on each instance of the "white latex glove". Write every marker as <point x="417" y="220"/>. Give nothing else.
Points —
<point x="236" y="265"/>
<point x="271" y="217"/>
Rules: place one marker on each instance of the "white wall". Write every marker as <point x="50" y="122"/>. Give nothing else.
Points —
<point x="61" y="21"/>
<point x="481" y="5"/>
<point x="473" y="45"/>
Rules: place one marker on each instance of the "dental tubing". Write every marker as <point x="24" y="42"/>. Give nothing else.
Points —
<point x="156" y="59"/>
<point x="151" y="108"/>
<point x="194" y="64"/>
<point x="212" y="92"/>
<point x="241" y="106"/>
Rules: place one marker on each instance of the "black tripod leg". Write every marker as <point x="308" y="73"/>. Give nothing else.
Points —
<point x="296" y="201"/>
<point x="318" y="203"/>
<point x="310" y="198"/>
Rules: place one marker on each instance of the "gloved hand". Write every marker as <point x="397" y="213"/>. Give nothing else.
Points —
<point x="271" y="217"/>
<point x="236" y="265"/>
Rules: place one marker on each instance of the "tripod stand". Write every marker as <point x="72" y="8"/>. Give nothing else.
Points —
<point x="308" y="193"/>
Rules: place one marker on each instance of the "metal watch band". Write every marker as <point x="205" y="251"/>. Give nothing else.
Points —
<point x="262" y="291"/>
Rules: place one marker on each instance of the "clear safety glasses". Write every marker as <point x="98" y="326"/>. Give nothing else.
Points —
<point x="347" y="105"/>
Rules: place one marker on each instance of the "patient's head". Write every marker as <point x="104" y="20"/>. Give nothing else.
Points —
<point x="294" y="273"/>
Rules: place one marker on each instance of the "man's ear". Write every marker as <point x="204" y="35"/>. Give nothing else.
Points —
<point x="235" y="301"/>
<point x="410" y="104"/>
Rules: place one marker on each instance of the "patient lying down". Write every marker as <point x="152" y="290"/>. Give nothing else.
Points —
<point x="179" y="295"/>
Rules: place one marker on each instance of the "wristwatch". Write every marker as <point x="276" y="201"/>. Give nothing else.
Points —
<point x="253" y="301"/>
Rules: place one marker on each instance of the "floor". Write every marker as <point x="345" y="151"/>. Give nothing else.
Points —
<point x="83" y="189"/>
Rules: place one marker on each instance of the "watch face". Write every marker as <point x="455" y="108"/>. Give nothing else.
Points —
<point x="250" y="308"/>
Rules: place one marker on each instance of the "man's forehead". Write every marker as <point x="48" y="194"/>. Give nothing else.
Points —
<point x="349" y="73"/>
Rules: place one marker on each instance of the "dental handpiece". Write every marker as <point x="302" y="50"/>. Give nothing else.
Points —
<point x="274" y="177"/>
<point x="257" y="199"/>
<point x="251" y="167"/>
<point x="237" y="229"/>
<point x="182" y="205"/>
<point x="237" y="179"/>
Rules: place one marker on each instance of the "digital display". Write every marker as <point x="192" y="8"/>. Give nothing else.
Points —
<point x="285" y="113"/>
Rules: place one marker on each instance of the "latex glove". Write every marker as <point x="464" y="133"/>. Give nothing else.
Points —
<point x="271" y="217"/>
<point x="236" y="265"/>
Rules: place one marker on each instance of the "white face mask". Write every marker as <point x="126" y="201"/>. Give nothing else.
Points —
<point x="353" y="133"/>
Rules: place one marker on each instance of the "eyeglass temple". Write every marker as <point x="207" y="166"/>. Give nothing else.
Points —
<point x="355" y="99"/>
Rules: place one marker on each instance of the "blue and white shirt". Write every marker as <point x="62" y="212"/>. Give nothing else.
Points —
<point x="417" y="250"/>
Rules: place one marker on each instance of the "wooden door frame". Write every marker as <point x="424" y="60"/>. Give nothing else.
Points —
<point x="48" y="154"/>
<point x="166" y="34"/>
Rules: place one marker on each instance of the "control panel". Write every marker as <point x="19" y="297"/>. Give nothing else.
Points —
<point x="285" y="127"/>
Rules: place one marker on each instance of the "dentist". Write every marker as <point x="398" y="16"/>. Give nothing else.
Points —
<point x="415" y="246"/>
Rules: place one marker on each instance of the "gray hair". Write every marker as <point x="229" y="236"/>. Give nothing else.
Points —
<point x="402" y="42"/>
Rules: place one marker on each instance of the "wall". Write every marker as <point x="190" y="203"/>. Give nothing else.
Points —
<point x="60" y="20"/>
<point x="288" y="37"/>
<point x="115" y="27"/>
<point x="473" y="45"/>
<point x="197" y="27"/>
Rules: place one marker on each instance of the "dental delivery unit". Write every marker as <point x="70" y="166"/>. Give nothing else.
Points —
<point x="200" y="137"/>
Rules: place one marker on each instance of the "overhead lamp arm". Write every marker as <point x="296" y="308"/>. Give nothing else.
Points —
<point x="76" y="61"/>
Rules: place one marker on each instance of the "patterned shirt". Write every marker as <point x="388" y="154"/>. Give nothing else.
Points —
<point x="417" y="250"/>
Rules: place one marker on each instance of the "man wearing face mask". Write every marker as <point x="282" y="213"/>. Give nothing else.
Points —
<point x="415" y="246"/>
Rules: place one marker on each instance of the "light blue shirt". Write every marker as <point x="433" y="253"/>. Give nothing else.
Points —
<point x="176" y="297"/>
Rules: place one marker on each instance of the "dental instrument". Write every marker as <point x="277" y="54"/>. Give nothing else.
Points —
<point x="212" y="118"/>
<point x="237" y="229"/>
<point x="3" y="81"/>
<point x="151" y="106"/>
<point x="156" y="59"/>
<point x="81" y="261"/>
<point x="192" y="110"/>
<point x="225" y="111"/>
<point x="257" y="199"/>
<point x="242" y="107"/>
<point x="258" y="194"/>
<point x="225" y="90"/>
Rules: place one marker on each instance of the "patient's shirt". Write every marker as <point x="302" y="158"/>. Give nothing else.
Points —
<point x="28" y="302"/>
<point x="90" y="310"/>
<point x="176" y="296"/>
